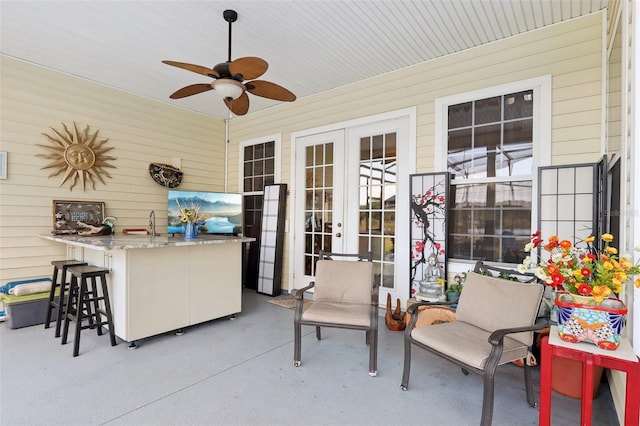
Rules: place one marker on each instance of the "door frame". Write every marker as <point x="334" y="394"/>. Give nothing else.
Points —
<point x="402" y="251"/>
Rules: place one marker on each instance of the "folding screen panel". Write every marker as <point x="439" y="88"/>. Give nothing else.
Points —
<point x="573" y="200"/>
<point x="272" y="239"/>
<point x="428" y="224"/>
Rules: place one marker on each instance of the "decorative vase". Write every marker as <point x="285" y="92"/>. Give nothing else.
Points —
<point x="598" y="324"/>
<point x="190" y="231"/>
<point x="452" y="296"/>
<point x="583" y="300"/>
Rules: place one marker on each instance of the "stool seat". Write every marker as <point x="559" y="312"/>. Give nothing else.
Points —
<point x="58" y="304"/>
<point x="88" y="301"/>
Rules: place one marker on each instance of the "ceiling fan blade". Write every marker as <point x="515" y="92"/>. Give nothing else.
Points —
<point x="250" y="67"/>
<point x="266" y="89"/>
<point x="192" y="89"/>
<point x="238" y="106"/>
<point x="195" y="68"/>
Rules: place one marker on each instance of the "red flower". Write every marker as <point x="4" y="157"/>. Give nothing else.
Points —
<point x="584" y="289"/>
<point x="585" y="272"/>
<point x="558" y="279"/>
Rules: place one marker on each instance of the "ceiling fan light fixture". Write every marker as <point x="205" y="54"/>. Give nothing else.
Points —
<point x="228" y="88"/>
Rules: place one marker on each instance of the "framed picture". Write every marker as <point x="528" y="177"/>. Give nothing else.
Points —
<point x="3" y="165"/>
<point x="66" y="214"/>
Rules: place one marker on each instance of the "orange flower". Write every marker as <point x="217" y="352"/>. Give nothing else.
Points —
<point x="565" y="245"/>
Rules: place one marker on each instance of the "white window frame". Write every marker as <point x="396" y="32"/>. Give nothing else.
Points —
<point x="277" y="139"/>
<point x="541" y="87"/>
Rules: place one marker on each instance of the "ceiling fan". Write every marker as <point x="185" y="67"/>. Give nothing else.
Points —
<point x="230" y="79"/>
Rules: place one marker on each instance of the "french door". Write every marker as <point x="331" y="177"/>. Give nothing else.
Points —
<point x="352" y="197"/>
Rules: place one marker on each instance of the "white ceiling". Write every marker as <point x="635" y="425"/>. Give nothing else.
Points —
<point x="311" y="46"/>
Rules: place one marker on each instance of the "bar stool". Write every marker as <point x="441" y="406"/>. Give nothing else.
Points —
<point x="63" y="286"/>
<point x="83" y="303"/>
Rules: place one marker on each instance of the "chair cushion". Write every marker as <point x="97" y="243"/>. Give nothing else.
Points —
<point x="338" y="313"/>
<point x="493" y="303"/>
<point x="466" y="343"/>
<point x="343" y="281"/>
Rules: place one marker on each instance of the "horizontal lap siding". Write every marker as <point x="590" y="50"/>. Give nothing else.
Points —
<point x="33" y="100"/>
<point x="571" y="52"/>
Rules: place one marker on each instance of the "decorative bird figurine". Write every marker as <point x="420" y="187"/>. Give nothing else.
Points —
<point x="395" y="319"/>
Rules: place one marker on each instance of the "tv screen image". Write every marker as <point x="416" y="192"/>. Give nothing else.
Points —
<point x="219" y="212"/>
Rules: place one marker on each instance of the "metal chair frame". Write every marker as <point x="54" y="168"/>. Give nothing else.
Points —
<point x="371" y="331"/>
<point x="496" y="339"/>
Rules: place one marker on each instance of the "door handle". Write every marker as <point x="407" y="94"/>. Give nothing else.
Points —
<point x="338" y="234"/>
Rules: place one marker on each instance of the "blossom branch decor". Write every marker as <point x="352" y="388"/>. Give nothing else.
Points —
<point x="584" y="270"/>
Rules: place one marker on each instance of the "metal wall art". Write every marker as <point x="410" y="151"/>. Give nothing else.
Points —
<point x="79" y="155"/>
<point x="165" y="175"/>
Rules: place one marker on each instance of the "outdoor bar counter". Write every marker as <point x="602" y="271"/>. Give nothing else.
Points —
<point x="161" y="284"/>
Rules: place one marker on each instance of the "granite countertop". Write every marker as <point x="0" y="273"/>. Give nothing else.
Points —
<point x="126" y="242"/>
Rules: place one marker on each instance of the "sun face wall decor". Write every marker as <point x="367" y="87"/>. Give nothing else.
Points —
<point x="79" y="155"/>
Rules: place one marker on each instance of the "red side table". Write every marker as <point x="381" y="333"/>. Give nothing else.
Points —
<point x="622" y="359"/>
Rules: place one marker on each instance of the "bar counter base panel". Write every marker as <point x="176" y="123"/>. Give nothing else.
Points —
<point x="166" y="285"/>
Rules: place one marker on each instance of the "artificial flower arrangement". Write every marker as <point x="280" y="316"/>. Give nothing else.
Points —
<point x="189" y="214"/>
<point x="584" y="271"/>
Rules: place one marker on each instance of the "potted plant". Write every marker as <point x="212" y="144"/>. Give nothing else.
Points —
<point x="454" y="290"/>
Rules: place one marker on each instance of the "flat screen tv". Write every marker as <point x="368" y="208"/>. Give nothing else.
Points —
<point x="218" y="212"/>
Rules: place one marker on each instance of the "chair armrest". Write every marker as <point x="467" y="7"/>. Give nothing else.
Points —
<point x="496" y="337"/>
<point x="299" y="293"/>
<point x="411" y="309"/>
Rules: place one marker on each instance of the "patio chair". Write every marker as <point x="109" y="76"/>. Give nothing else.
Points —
<point x="495" y="321"/>
<point x="345" y="296"/>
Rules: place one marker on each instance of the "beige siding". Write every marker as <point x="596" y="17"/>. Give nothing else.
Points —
<point x="33" y="100"/>
<point x="570" y="52"/>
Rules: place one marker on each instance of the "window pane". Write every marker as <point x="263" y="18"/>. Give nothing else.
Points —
<point x="488" y="110"/>
<point x="490" y="221"/>
<point x="365" y="149"/>
<point x="460" y="115"/>
<point x="248" y="152"/>
<point x="390" y="145"/>
<point x="518" y="105"/>
<point x="270" y="149"/>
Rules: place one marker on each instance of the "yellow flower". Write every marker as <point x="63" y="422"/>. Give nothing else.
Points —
<point x="600" y="292"/>
<point x="637" y="282"/>
<point x="590" y="239"/>
<point x="620" y="276"/>
<point x="625" y="263"/>
<point x="611" y="250"/>
<point x="608" y="265"/>
<point x="607" y="238"/>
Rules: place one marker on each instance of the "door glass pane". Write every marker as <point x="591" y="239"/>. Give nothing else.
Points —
<point x="318" y="203"/>
<point x="377" y="191"/>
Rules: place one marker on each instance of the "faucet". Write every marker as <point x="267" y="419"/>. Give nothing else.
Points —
<point x="152" y="223"/>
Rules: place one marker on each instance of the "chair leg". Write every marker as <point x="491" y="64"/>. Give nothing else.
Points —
<point x="529" y="386"/>
<point x="373" y="353"/>
<point x="79" y="314"/>
<point x="487" y="398"/>
<point x="72" y="303"/>
<point x="318" y="334"/>
<point x="297" y="336"/>
<point x="406" y="370"/>
<point x="52" y="293"/>
<point x="107" y="308"/>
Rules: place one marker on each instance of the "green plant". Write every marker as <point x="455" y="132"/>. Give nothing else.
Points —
<point x="456" y="286"/>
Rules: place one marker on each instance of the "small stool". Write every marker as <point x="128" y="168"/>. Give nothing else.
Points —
<point x="63" y="286"/>
<point x="83" y="303"/>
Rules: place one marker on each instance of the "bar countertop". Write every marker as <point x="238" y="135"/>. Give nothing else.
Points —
<point x="127" y="242"/>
